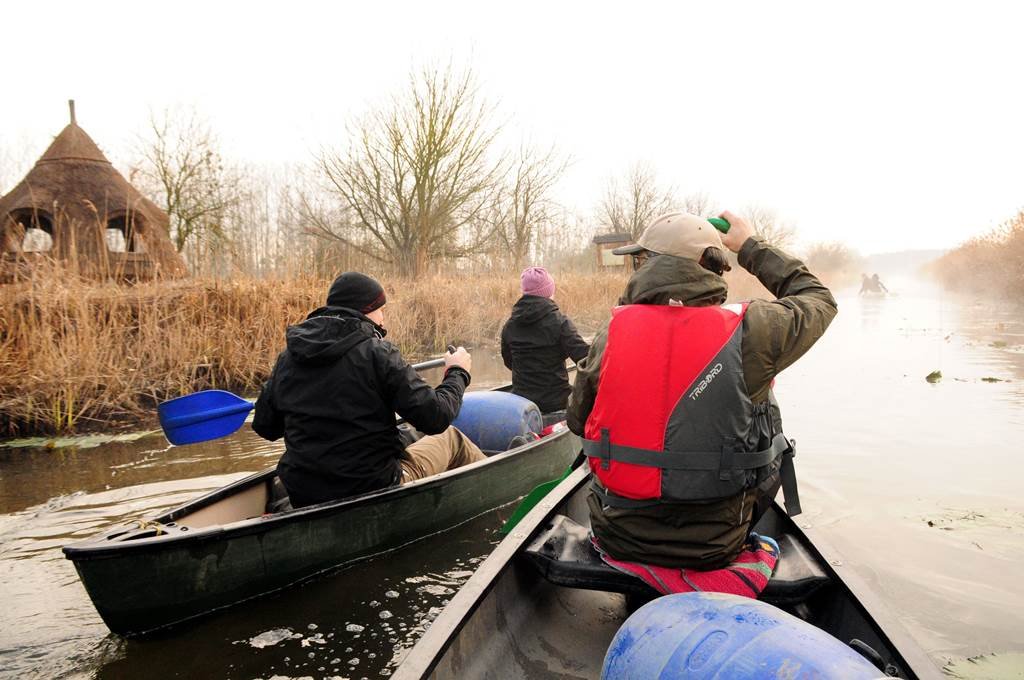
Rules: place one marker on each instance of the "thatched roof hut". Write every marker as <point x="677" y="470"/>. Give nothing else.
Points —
<point x="73" y="206"/>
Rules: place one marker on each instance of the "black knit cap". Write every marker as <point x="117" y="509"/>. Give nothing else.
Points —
<point x="356" y="291"/>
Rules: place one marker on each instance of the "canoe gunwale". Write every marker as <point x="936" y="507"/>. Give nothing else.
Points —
<point x="99" y="547"/>
<point x="422" y="659"/>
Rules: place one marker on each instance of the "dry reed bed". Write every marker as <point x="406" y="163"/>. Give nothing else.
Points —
<point x="78" y="355"/>
<point x="990" y="263"/>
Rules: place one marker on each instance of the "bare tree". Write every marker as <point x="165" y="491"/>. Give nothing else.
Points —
<point x="319" y="213"/>
<point x="524" y="205"/>
<point x="564" y="241"/>
<point x="15" y="161"/>
<point x="767" y="224"/>
<point x="418" y="172"/>
<point x="698" y="203"/>
<point x="832" y="257"/>
<point x="633" y="205"/>
<point x="183" y="169"/>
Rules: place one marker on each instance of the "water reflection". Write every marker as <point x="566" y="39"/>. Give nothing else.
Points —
<point x="34" y="475"/>
<point x="917" y="483"/>
<point x="359" y="622"/>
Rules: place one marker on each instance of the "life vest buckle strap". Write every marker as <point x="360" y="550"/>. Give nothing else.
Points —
<point x="696" y="461"/>
<point x="726" y="464"/>
<point x="606" y="449"/>
<point x="787" y="473"/>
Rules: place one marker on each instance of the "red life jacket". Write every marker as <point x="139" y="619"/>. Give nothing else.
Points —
<point x="672" y="420"/>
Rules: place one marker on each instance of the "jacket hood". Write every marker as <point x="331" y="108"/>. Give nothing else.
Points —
<point x="328" y="333"/>
<point x="532" y="308"/>
<point x="665" y="278"/>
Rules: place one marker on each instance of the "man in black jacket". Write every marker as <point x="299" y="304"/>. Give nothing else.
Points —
<point x="535" y="342"/>
<point x="333" y="395"/>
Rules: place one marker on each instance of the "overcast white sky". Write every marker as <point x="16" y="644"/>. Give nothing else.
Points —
<point x="889" y="125"/>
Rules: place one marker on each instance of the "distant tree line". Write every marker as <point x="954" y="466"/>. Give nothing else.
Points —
<point x="423" y="179"/>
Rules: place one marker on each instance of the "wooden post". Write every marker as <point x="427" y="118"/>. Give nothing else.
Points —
<point x="71" y="107"/>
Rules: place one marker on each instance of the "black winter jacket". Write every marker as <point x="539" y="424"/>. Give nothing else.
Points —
<point x="535" y="342"/>
<point x="333" y="396"/>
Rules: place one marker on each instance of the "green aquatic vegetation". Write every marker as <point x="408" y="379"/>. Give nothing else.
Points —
<point x="999" y="344"/>
<point x="986" y="667"/>
<point x="88" y="441"/>
<point x="934" y="377"/>
<point x="990" y="379"/>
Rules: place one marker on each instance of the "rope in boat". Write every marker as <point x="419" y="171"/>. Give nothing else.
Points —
<point x="149" y="524"/>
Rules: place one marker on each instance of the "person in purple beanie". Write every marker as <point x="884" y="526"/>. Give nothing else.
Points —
<point x="536" y="341"/>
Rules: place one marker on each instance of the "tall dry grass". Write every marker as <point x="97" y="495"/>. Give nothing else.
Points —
<point x="990" y="263"/>
<point x="78" y="354"/>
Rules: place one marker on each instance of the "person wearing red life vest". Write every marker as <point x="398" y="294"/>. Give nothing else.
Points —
<point x="674" y="400"/>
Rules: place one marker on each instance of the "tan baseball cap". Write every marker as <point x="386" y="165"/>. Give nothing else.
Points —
<point x="676" y="233"/>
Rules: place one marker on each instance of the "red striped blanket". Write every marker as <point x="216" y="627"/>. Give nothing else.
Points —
<point x="747" y="575"/>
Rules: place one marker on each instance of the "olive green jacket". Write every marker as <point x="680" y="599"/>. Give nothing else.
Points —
<point x="707" y="535"/>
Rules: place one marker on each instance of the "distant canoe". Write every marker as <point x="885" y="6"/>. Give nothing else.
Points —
<point x="543" y="605"/>
<point x="222" y="548"/>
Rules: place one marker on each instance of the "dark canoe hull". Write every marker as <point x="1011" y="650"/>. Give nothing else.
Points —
<point x="153" y="582"/>
<point x="509" y="623"/>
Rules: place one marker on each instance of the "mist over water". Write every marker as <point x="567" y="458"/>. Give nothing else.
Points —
<point x="916" y="484"/>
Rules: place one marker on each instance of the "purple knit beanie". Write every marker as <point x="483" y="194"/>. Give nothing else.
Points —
<point x="537" y="281"/>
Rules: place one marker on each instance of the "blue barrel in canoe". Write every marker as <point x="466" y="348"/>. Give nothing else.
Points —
<point x="493" y="419"/>
<point x="713" y="635"/>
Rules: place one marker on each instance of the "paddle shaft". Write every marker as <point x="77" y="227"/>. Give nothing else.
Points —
<point x="427" y="365"/>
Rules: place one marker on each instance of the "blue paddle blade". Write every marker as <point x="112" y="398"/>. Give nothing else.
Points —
<point x="202" y="416"/>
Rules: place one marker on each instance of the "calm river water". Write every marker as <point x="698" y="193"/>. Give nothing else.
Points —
<point x="917" y="484"/>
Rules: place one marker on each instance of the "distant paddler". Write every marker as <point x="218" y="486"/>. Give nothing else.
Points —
<point x="333" y="396"/>
<point x="872" y="284"/>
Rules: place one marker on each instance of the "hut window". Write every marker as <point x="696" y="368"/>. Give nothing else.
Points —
<point x="115" y="241"/>
<point x="37" y="241"/>
<point x="120" y="235"/>
<point x="38" y="230"/>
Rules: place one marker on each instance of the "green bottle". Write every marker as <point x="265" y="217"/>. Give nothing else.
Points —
<point x="719" y="223"/>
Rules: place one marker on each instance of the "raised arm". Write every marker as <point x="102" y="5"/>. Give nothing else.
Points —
<point x="784" y="329"/>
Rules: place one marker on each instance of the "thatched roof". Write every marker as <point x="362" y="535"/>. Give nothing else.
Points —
<point x="78" y="190"/>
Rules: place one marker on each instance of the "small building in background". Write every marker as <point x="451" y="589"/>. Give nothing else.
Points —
<point x="75" y="208"/>
<point x="605" y="243"/>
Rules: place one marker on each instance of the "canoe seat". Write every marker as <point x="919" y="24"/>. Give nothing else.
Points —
<point x="277" y="497"/>
<point x="563" y="555"/>
<point x="552" y="417"/>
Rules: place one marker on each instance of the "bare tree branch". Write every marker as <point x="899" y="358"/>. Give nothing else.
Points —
<point x="631" y="207"/>
<point x="767" y="224"/>
<point x="521" y="208"/>
<point x="419" y="173"/>
<point x="184" y="172"/>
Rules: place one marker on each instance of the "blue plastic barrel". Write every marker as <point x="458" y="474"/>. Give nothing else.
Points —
<point x="713" y="635"/>
<point x="492" y="419"/>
